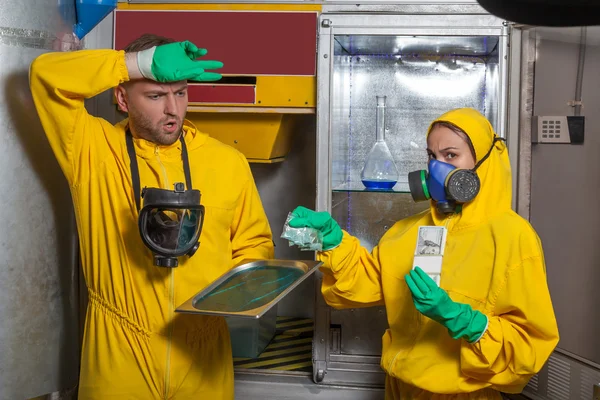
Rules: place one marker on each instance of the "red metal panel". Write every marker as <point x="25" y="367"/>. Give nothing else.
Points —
<point x="247" y="42"/>
<point x="221" y="94"/>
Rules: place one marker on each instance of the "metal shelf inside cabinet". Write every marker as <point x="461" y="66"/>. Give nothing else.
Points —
<point x="358" y="187"/>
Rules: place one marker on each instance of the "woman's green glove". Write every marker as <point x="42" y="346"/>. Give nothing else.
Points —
<point x="176" y="62"/>
<point x="433" y="302"/>
<point x="321" y="221"/>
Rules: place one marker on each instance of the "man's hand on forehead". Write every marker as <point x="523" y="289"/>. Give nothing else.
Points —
<point x="176" y="62"/>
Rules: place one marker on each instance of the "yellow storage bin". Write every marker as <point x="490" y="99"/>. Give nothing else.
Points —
<point x="261" y="137"/>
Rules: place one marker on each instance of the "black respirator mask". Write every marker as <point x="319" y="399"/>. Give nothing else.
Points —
<point x="170" y="221"/>
<point x="446" y="184"/>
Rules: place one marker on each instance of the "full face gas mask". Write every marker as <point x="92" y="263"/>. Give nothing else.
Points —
<point x="170" y="221"/>
<point x="446" y="184"/>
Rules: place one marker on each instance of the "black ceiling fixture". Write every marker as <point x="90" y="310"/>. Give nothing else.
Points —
<point x="559" y="13"/>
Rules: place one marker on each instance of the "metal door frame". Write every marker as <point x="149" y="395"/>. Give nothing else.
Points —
<point x="364" y="371"/>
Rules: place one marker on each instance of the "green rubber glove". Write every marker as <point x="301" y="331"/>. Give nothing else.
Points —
<point x="176" y="62"/>
<point x="432" y="301"/>
<point x="321" y="221"/>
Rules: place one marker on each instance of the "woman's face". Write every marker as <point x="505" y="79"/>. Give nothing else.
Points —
<point x="443" y="144"/>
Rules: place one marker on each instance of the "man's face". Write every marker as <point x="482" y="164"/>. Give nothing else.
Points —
<point x="156" y="110"/>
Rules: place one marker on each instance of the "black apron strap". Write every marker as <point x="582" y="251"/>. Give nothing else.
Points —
<point x="186" y="163"/>
<point x="133" y="166"/>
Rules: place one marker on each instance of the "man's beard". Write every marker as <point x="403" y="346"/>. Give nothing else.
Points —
<point x="144" y="128"/>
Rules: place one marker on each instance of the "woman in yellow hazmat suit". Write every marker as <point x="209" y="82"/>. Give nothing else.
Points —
<point x="490" y="325"/>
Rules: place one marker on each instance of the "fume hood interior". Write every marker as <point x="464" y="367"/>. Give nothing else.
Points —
<point x="422" y="77"/>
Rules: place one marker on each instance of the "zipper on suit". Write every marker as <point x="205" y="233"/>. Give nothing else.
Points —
<point x="164" y="170"/>
<point x="170" y="337"/>
<point x="171" y="293"/>
<point x="447" y="224"/>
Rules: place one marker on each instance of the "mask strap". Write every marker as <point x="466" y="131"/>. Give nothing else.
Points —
<point x="186" y="164"/>
<point x="496" y="139"/>
<point x="135" y="172"/>
<point x="133" y="165"/>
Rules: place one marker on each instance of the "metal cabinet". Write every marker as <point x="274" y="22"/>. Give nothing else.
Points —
<point x="427" y="61"/>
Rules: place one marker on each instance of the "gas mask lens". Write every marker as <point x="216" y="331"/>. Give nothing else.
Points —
<point x="173" y="230"/>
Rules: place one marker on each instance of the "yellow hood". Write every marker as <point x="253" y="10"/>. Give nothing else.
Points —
<point x="495" y="195"/>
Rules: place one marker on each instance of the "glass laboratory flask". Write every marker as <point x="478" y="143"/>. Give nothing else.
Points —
<point x="380" y="171"/>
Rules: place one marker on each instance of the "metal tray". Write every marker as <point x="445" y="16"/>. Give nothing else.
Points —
<point x="250" y="289"/>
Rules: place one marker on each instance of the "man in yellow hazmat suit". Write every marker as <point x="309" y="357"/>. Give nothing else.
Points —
<point x="489" y="326"/>
<point x="135" y="346"/>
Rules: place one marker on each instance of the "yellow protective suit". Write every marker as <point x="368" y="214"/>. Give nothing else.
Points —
<point x="493" y="261"/>
<point x="135" y="346"/>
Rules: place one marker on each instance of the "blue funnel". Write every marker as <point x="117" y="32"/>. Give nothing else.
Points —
<point x="90" y="13"/>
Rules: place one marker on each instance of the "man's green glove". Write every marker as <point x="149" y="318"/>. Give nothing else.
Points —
<point x="321" y="221"/>
<point x="176" y="62"/>
<point x="432" y="301"/>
